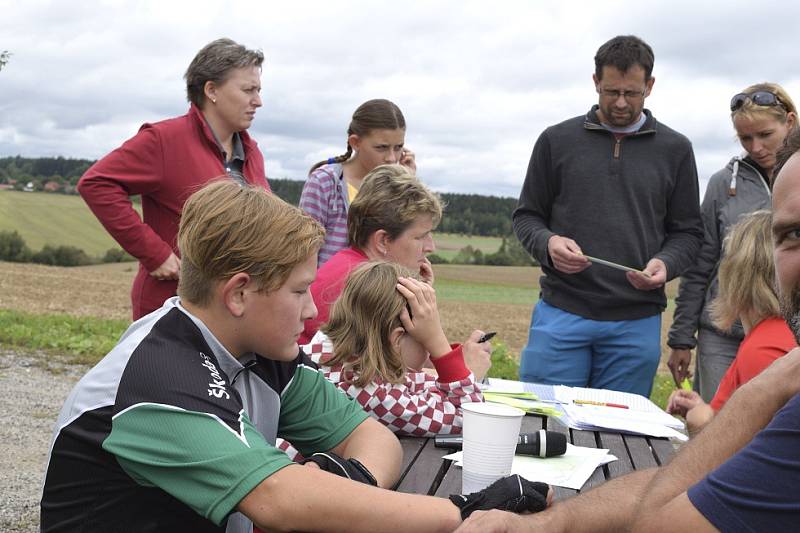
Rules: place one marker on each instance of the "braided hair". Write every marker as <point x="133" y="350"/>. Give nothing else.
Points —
<point x="377" y="114"/>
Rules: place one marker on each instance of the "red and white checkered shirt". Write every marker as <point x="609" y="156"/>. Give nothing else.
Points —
<point x="422" y="405"/>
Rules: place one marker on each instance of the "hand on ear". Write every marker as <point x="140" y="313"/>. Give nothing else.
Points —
<point x="423" y="322"/>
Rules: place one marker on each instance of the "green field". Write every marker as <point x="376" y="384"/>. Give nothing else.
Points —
<point x="60" y="219"/>
<point x="448" y="244"/>
<point x="55" y="219"/>
<point x="465" y="291"/>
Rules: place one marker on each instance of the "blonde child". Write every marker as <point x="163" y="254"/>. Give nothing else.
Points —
<point x="383" y="330"/>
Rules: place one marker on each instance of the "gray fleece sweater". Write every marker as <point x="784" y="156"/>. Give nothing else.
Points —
<point x="722" y="208"/>
<point x="626" y="199"/>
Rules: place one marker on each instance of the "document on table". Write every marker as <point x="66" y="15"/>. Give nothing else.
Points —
<point x="641" y="416"/>
<point x="544" y="393"/>
<point x="570" y="470"/>
<point x="530" y="406"/>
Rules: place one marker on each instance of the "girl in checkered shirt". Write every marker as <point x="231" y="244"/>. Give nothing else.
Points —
<point x="383" y="330"/>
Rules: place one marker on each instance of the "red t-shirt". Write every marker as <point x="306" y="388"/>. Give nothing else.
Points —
<point x="328" y="285"/>
<point x="769" y="340"/>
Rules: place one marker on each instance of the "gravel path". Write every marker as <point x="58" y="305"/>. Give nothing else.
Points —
<point x="33" y="387"/>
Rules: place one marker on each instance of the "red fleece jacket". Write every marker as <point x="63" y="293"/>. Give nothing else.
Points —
<point x="165" y="163"/>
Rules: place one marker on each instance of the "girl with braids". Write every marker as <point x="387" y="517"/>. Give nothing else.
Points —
<point x="376" y="136"/>
<point x="383" y="329"/>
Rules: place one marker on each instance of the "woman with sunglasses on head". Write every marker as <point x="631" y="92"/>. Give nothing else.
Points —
<point x="376" y="136"/>
<point x="762" y="115"/>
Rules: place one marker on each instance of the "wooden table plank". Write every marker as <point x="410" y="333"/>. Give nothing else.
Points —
<point x="451" y="481"/>
<point x="412" y="446"/>
<point x="531" y="423"/>
<point x="640" y="452"/>
<point x="663" y="449"/>
<point x="426" y="470"/>
<point x="616" y="446"/>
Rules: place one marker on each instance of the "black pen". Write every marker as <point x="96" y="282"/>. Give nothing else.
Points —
<point x="487" y="336"/>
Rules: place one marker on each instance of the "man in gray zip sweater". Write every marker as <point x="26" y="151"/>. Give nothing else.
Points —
<point x="613" y="184"/>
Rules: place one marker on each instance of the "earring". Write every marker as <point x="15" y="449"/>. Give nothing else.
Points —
<point x="213" y="100"/>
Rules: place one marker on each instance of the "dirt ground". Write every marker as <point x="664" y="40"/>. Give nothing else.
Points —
<point x="102" y="291"/>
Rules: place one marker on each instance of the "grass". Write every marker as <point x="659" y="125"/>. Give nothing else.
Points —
<point x="464" y="291"/>
<point x="55" y="219"/>
<point x="663" y="386"/>
<point x="61" y="219"/>
<point x="448" y="244"/>
<point x="83" y="340"/>
<point x="503" y="364"/>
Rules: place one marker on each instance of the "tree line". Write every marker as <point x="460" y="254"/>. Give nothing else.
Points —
<point x="465" y="214"/>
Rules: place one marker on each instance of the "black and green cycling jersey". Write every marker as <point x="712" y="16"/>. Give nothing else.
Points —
<point x="169" y="431"/>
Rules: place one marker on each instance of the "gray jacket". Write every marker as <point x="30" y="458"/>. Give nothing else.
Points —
<point x="733" y="191"/>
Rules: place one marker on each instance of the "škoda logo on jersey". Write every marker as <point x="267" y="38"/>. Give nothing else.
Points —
<point x="216" y="387"/>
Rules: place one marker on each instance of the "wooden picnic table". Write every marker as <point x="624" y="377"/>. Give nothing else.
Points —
<point x="425" y="472"/>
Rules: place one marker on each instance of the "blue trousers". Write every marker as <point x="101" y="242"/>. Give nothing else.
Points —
<point x="566" y="349"/>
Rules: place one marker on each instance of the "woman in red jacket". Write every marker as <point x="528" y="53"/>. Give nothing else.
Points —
<point x="166" y="161"/>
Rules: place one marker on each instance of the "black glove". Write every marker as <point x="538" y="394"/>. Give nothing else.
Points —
<point x="349" y="468"/>
<point x="510" y="493"/>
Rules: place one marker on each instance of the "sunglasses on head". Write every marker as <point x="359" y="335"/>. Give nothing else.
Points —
<point x="763" y="98"/>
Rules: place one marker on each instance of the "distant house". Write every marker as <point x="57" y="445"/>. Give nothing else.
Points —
<point x="28" y="187"/>
<point x="52" y="186"/>
<point x="5" y="187"/>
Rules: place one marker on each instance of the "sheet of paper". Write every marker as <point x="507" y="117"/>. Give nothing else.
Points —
<point x="598" y="418"/>
<point x="543" y="392"/>
<point x="570" y="470"/>
<point x="640" y="409"/>
<point x="633" y="401"/>
<point x="529" y="406"/>
<point x="642" y="417"/>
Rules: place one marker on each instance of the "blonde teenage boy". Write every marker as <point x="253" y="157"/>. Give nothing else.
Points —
<point x="174" y="429"/>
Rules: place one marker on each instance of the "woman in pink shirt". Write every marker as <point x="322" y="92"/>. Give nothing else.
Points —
<point x="392" y="219"/>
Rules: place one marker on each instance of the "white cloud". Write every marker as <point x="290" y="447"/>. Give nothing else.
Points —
<point x="477" y="83"/>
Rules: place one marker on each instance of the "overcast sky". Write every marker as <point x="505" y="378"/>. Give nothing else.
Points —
<point x="477" y="81"/>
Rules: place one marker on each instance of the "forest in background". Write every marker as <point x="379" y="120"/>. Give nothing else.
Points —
<point x="465" y="214"/>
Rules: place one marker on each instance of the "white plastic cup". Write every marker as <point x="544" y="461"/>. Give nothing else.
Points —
<point x="490" y="437"/>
